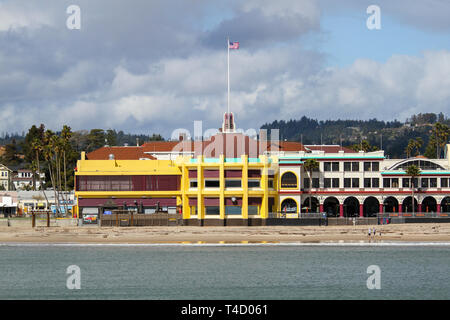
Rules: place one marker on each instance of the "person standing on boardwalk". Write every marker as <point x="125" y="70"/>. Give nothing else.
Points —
<point x="369" y="233"/>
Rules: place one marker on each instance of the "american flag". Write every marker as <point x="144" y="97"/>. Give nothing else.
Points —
<point x="234" y="45"/>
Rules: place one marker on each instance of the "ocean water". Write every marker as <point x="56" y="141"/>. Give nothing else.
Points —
<point x="225" y="272"/>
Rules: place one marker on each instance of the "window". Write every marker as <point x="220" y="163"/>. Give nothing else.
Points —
<point x="212" y="210"/>
<point x="335" y="166"/>
<point x="347" y="183"/>
<point x="254" y="183"/>
<point x="212" y="183"/>
<point x="347" y="166"/>
<point x="433" y="182"/>
<point x="306" y="183"/>
<point x="394" y="183"/>
<point x="270" y="183"/>
<point x="375" y="182"/>
<point x="422" y="164"/>
<point x="289" y="180"/>
<point x="444" y="182"/>
<point x="233" y="183"/>
<point x="351" y="166"/>
<point x="331" y="166"/>
<point x="367" y="166"/>
<point x="375" y="166"/>
<point x="405" y="182"/>
<point x="327" y="182"/>
<point x="351" y="182"/>
<point x="315" y="182"/>
<point x="253" y="210"/>
<point x="367" y="182"/>
<point x="424" y="183"/>
<point x="233" y="210"/>
<point x="193" y="184"/>
<point x="386" y="183"/>
<point x="335" y="182"/>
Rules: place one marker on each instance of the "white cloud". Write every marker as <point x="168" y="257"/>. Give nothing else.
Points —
<point x="155" y="72"/>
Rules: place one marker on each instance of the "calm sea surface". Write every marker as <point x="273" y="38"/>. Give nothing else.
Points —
<point x="224" y="272"/>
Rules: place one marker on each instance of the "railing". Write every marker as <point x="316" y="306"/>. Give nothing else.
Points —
<point x="121" y="218"/>
<point x="414" y="215"/>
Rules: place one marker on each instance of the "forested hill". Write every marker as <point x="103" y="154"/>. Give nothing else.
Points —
<point x="393" y="136"/>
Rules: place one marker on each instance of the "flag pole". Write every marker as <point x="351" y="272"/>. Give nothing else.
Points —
<point x="228" y="73"/>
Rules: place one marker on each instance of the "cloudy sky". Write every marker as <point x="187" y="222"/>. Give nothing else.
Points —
<point x="150" y="66"/>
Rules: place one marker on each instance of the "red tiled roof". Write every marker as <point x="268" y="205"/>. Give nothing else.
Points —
<point x="229" y="144"/>
<point x="290" y="146"/>
<point x="330" y="148"/>
<point x="120" y="153"/>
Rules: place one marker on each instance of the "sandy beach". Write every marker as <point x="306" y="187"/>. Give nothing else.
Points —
<point x="94" y="234"/>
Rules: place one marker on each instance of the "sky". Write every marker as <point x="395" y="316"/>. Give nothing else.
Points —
<point x="156" y="66"/>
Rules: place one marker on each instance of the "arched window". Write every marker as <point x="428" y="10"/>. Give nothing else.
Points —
<point x="288" y="180"/>
<point x="422" y="164"/>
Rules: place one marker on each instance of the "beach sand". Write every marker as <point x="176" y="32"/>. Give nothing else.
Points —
<point x="305" y="234"/>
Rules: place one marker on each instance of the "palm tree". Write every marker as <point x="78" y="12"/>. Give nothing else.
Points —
<point x="412" y="171"/>
<point x="409" y="148"/>
<point x="310" y="165"/>
<point x="417" y="143"/>
<point x="38" y="148"/>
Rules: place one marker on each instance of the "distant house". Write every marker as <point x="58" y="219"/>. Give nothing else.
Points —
<point x="5" y="177"/>
<point x="23" y="179"/>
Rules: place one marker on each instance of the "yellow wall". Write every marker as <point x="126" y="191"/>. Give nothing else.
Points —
<point x="181" y="167"/>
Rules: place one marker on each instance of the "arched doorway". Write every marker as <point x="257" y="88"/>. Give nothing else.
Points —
<point x="429" y="204"/>
<point x="314" y="205"/>
<point x="371" y="207"/>
<point x="407" y="205"/>
<point x="351" y="207"/>
<point x="390" y="205"/>
<point x="289" y="206"/>
<point x="331" y="206"/>
<point x="445" y="204"/>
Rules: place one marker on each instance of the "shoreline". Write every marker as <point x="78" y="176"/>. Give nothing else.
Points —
<point x="191" y="235"/>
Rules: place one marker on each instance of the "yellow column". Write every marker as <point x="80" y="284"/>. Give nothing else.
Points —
<point x="244" y="160"/>
<point x="222" y="186"/>
<point x="265" y="186"/>
<point x="184" y="189"/>
<point x="200" y="183"/>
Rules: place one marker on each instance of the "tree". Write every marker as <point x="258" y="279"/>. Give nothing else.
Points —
<point x="37" y="146"/>
<point x="96" y="139"/>
<point x="417" y="143"/>
<point x="111" y="137"/>
<point x="10" y="157"/>
<point x="310" y="165"/>
<point x="413" y="144"/>
<point x="413" y="171"/>
<point x="364" y="146"/>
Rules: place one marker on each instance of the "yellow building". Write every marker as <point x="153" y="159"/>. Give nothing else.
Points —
<point x="205" y="191"/>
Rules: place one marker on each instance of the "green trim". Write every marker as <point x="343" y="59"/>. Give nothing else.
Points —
<point x="342" y="157"/>
<point x="422" y="172"/>
<point x="293" y="162"/>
